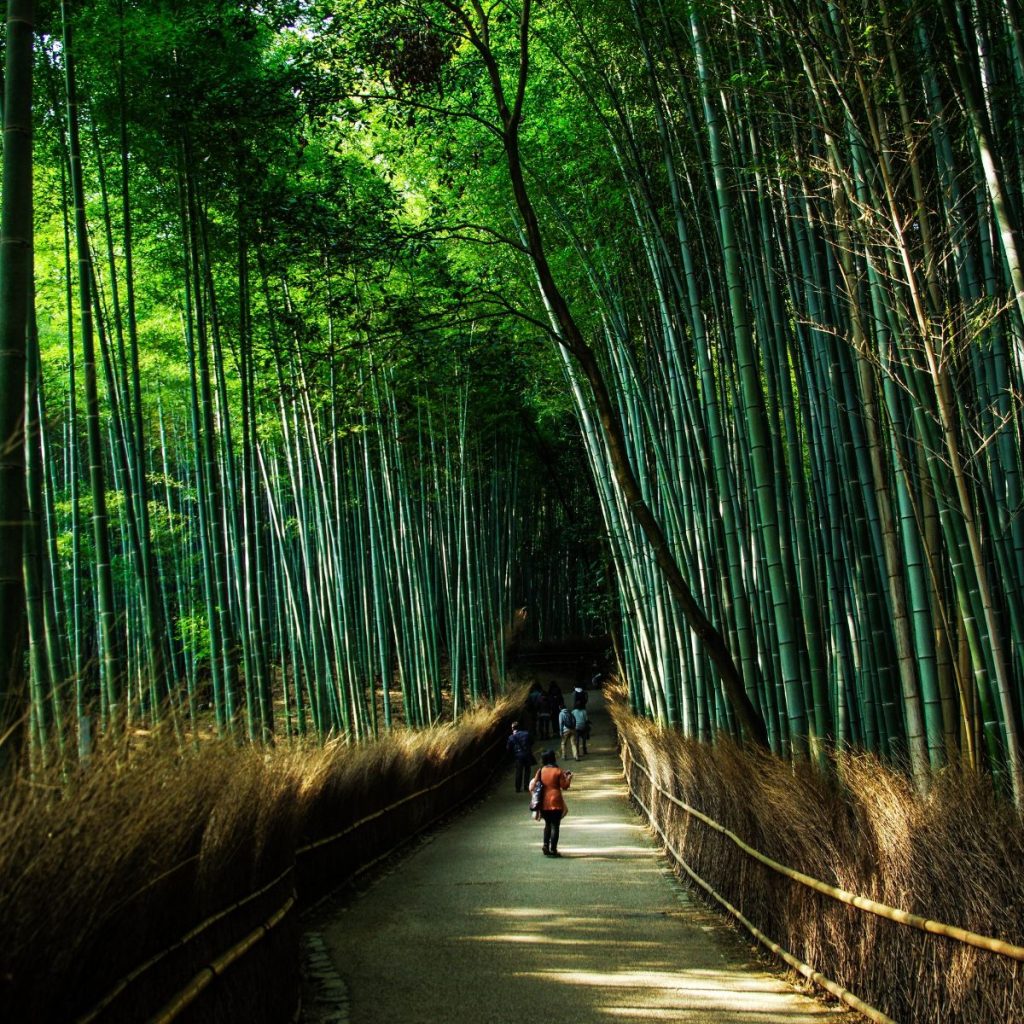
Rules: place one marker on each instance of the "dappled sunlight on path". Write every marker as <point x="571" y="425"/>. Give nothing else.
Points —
<point x="478" y="926"/>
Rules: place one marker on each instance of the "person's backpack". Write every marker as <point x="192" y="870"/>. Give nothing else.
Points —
<point x="567" y="720"/>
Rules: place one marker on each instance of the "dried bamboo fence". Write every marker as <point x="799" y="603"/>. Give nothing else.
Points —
<point x="888" y="963"/>
<point x="241" y="961"/>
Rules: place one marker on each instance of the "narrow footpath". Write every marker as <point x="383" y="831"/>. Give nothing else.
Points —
<point x="476" y="926"/>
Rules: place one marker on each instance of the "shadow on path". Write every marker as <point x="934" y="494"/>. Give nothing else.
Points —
<point x="477" y="926"/>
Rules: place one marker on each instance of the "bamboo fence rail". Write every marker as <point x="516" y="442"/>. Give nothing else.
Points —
<point x="218" y="965"/>
<point x="797" y="964"/>
<point x="214" y="970"/>
<point x="193" y="933"/>
<point x="903" y="917"/>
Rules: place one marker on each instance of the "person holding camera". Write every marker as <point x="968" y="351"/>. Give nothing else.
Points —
<point x="552" y="807"/>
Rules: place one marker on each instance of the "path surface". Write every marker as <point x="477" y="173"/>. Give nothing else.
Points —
<point x="477" y="926"/>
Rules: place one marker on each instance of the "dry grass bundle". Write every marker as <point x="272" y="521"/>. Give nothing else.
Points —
<point x="341" y="800"/>
<point x="100" y="873"/>
<point x="109" y="869"/>
<point x="955" y="856"/>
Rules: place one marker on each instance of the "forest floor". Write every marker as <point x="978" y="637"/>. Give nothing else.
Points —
<point x="476" y="925"/>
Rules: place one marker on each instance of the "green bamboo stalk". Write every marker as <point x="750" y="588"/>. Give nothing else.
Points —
<point x="110" y="661"/>
<point x="15" y="296"/>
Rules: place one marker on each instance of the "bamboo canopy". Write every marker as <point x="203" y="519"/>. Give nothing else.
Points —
<point x="362" y="327"/>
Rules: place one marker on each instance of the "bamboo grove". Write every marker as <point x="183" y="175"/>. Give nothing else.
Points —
<point x="778" y="249"/>
<point x="332" y="264"/>
<point x="242" y="515"/>
<point x="816" y="351"/>
<point x="816" y="355"/>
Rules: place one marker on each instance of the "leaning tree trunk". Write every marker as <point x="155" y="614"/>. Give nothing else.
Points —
<point x="570" y="335"/>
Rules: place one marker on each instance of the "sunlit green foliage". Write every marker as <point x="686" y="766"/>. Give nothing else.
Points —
<point x="766" y="256"/>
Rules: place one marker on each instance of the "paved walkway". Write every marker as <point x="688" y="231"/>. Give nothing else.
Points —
<point x="477" y="926"/>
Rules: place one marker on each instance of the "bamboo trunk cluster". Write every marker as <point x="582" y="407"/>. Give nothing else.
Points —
<point x="15" y="304"/>
<point x="370" y="586"/>
<point x="816" y="357"/>
<point x="267" y="556"/>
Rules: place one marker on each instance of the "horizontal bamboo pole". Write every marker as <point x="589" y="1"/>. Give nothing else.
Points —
<point x="196" y="986"/>
<point x="184" y="940"/>
<point x="212" y="971"/>
<point x="903" y="917"/>
<point x="806" y="970"/>
<point x="398" y="803"/>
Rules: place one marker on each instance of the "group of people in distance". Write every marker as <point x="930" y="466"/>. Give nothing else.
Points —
<point x="553" y="719"/>
<point x="573" y="726"/>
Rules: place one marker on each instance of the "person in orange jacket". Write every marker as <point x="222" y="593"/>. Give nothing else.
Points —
<point x="552" y="807"/>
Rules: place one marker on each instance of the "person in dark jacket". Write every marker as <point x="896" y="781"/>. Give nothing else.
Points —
<point x="543" y="717"/>
<point x="520" y="743"/>
<point x="555" y="699"/>
<point x="537" y="702"/>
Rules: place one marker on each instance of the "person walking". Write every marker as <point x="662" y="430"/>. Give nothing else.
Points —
<point x="552" y="807"/>
<point x="582" y="720"/>
<point x="543" y="714"/>
<point x="532" y="706"/>
<point x="567" y="730"/>
<point x="555" y="699"/>
<point x="520" y="743"/>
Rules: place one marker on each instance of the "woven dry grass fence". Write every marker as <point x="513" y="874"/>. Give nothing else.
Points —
<point x="165" y="884"/>
<point x="955" y="856"/>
